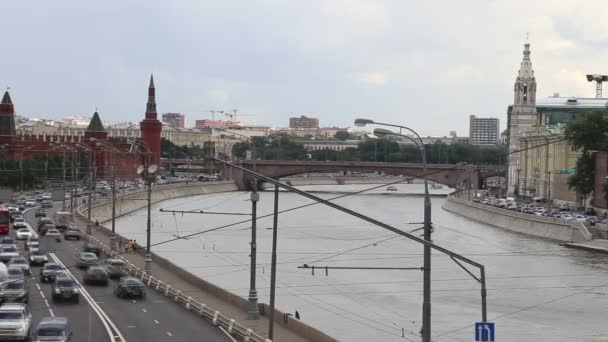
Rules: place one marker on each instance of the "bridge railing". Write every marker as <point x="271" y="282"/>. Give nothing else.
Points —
<point x="227" y="324"/>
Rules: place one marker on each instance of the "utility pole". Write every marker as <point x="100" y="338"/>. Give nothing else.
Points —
<point x="21" y="176"/>
<point x="113" y="239"/>
<point x="91" y="188"/>
<point x="273" y="267"/>
<point x="64" y="175"/>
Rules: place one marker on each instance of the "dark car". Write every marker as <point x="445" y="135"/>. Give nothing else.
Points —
<point x="96" y="275"/>
<point x="15" y="291"/>
<point x="54" y="329"/>
<point x="65" y="288"/>
<point x="40" y="213"/>
<point x="71" y="233"/>
<point x="130" y="287"/>
<point x="49" y="272"/>
<point x="42" y="222"/>
<point x="92" y="248"/>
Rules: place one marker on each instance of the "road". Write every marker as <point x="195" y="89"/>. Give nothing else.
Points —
<point x="100" y="316"/>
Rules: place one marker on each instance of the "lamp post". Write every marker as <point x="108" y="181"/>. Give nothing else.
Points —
<point x="426" y="297"/>
<point x="253" y="311"/>
<point x="113" y="239"/>
<point x="148" y="173"/>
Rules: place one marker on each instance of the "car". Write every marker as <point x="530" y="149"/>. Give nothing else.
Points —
<point x="86" y="259"/>
<point x="23" y="234"/>
<point x="130" y="287"/>
<point x="115" y="268"/>
<point x="47" y="196"/>
<point x="65" y="289"/>
<point x="30" y="203"/>
<point x="54" y="329"/>
<point x="96" y="275"/>
<point x="42" y="222"/>
<point x="20" y="262"/>
<point x="512" y="206"/>
<point x="33" y="244"/>
<point x="71" y="233"/>
<point x="15" y="322"/>
<point x="7" y="241"/>
<point x="15" y="291"/>
<point x="37" y="257"/>
<point x="580" y="217"/>
<point x="50" y="271"/>
<point x="92" y="248"/>
<point x="40" y="213"/>
<point x="53" y="232"/>
<point x="8" y="252"/>
<point x="19" y="222"/>
<point x="391" y="188"/>
<point x="567" y="216"/>
<point x="15" y="273"/>
<point x="47" y="204"/>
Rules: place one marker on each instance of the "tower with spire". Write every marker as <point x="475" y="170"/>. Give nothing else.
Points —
<point x="7" y="116"/>
<point x="523" y="114"/>
<point x="150" y="127"/>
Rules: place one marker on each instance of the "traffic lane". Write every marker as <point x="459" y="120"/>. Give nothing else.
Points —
<point x="155" y="318"/>
<point x="84" y="322"/>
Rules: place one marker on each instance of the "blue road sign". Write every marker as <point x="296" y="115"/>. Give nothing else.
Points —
<point x="484" y="332"/>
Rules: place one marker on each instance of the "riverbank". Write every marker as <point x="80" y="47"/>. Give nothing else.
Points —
<point x="539" y="226"/>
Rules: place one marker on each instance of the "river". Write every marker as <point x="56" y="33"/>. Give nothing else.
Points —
<point x="537" y="290"/>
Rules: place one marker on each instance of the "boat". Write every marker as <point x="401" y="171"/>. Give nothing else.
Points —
<point x="391" y="188"/>
<point x="436" y="186"/>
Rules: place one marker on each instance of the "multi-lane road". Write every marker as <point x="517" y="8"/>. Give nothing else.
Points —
<point x="101" y="316"/>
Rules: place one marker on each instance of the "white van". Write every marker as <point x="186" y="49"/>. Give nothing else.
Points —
<point x="502" y="203"/>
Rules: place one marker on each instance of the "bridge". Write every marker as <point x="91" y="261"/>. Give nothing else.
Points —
<point x="446" y="174"/>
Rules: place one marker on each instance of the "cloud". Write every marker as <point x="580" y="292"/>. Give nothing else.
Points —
<point x="370" y="78"/>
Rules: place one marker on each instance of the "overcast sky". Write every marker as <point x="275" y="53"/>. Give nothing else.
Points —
<point x="428" y="64"/>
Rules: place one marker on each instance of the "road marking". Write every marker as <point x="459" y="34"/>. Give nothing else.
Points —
<point x="47" y="303"/>
<point x="133" y="300"/>
<point x="51" y="312"/>
<point x="169" y="334"/>
<point x="38" y="286"/>
<point x="144" y="310"/>
<point x="42" y="295"/>
<point x="157" y="322"/>
<point x="107" y="322"/>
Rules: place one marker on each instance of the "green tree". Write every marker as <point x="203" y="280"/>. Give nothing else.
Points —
<point x="342" y="135"/>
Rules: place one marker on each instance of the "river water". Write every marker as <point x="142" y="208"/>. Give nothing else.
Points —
<point x="537" y="290"/>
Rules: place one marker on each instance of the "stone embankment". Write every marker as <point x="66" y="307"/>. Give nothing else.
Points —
<point x="540" y="226"/>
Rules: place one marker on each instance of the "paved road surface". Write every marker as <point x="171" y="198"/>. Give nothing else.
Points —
<point x="100" y="315"/>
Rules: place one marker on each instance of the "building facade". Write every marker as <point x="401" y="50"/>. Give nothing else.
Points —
<point x="523" y="116"/>
<point x="484" y="131"/>
<point x="176" y="120"/>
<point x="215" y="123"/>
<point x="303" y="122"/>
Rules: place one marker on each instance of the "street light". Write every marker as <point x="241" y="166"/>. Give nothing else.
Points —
<point x="426" y="297"/>
<point x="113" y="239"/>
<point x="148" y="173"/>
<point x="253" y="311"/>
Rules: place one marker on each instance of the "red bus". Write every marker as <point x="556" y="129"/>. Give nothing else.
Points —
<point x="4" y="220"/>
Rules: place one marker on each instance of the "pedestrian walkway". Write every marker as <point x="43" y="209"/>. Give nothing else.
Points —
<point x="198" y="294"/>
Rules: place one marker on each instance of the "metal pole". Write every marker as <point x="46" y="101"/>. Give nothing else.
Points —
<point x="21" y="176"/>
<point x="426" y="297"/>
<point x="484" y="306"/>
<point x="273" y="267"/>
<point x="148" y="256"/>
<point x="113" y="240"/>
<point x="253" y="312"/>
<point x="91" y="189"/>
<point x="64" y="175"/>
<point x="73" y="188"/>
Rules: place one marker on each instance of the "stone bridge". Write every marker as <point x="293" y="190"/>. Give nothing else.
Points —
<point x="446" y="174"/>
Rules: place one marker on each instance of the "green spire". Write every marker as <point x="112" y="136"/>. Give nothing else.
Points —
<point x="95" y="125"/>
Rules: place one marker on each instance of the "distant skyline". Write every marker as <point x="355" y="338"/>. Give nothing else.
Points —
<point x="427" y="64"/>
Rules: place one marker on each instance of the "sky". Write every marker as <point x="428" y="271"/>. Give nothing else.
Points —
<point x="426" y="64"/>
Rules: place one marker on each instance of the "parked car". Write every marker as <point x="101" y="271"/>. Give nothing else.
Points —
<point x="22" y="263"/>
<point x="580" y="217"/>
<point x="512" y="206"/>
<point x="115" y="268"/>
<point x="96" y="275"/>
<point x="567" y="216"/>
<point x="36" y="257"/>
<point x="15" y="291"/>
<point x="130" y="287"/>
<point x="86" y="259"/>
<point x="23" y="234"/>
<point x="15" y="322"/>
<point x="54" y="329"/>
<point x="71" y="233"/>
<point x="65" y="289"/>
<point x="50" y="271"/>
<point x="92" y="248"/>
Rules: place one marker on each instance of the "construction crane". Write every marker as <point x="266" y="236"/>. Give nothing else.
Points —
<point x="598" y="79"/>
<point x="213" y="113"/>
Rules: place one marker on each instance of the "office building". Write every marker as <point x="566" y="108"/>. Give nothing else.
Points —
<point x="303" y="122"/>
<point x="484" y="131"/>
<point x="175" y="120"/>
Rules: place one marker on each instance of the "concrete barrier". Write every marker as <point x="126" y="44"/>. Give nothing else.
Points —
<point x="540" y="226"/>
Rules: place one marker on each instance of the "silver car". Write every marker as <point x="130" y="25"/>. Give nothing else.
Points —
<point x="7" y="253"/>
<point x="22" y="263"/>
<point x="86" y="259"/>
<point x="54" y="329"/>
<point x="15" y="322"/>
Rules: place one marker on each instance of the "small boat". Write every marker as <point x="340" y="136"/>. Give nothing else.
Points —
<point x="436" y="186"/>
<point x="391" y="188"/>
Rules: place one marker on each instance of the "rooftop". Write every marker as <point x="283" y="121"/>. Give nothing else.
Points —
<point x="579" y="102"/>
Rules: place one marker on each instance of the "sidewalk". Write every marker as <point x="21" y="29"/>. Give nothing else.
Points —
<point x="595" y="245"/>
<point x="167" y="276"/>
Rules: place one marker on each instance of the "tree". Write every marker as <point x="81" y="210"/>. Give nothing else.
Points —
<point x="342" y="135"/>
<point x="583" y="179"/>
